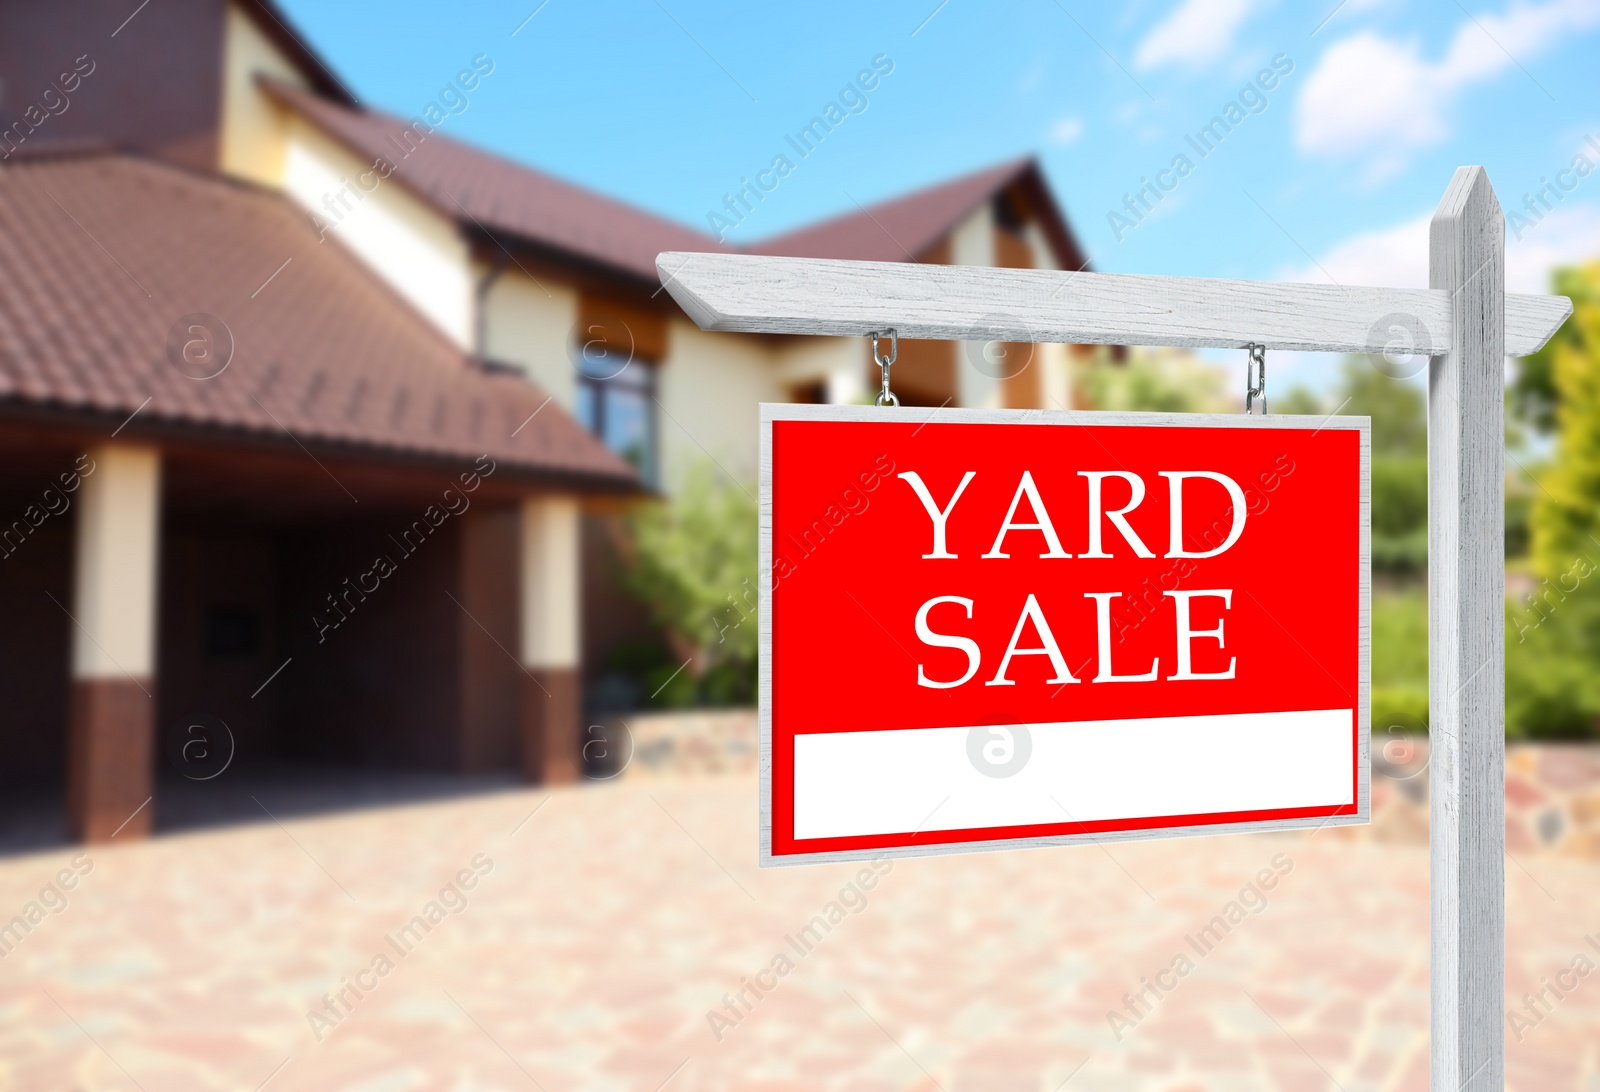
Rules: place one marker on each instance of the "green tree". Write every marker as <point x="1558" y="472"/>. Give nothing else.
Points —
<point x="1553" y="634"/>
<point x="1297" y="400"/>
<point x="1552" y="645"/>
<point x="1156" y="380"/>
<point x="1399" y="460"/>
<point x="694" y="566"/>
<point x="1398" y="407"/>
<point x="1534" y="390"/>
<point x="1400" y="513"/>
<point x="1561" y="384"/>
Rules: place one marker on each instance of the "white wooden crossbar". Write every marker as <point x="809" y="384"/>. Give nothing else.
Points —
<point x="766" y="295"/>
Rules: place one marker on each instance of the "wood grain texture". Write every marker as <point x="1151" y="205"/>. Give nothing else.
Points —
<point x="771" y="412"/>
<point x="965" y="303"/>
<point x="1466" y="640"/>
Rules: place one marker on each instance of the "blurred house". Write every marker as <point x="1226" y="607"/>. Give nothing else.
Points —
<point x="310" y="414"/>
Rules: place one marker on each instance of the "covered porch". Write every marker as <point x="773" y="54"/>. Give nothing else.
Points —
<point x="187" y="617"/>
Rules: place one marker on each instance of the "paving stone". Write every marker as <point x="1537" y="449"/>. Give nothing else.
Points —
<point x="599" y="940"/>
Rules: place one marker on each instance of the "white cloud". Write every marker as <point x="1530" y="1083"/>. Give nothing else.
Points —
<point x="1066" y="131"/>
<point x="1567" y="235"/>
<point x="1369" y="93"/>
<point x="1374" y="95"/>
<point x="1394" y="257"/>
<point x="1347" y="7"/>
<point x="1194" y="33"/>
<point x="1129" y="112"/>
<point x="1397" y="257"/>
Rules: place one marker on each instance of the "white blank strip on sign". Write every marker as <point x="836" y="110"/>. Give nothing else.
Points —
<point x="888" y="782"/>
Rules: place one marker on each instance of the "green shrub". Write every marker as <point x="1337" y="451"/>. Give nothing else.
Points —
<point x="670" y="687"/>
<point x="1519" y="529"/>
<point x="1562" y="381"/>
<point x="1399" y="494"/>
<point x="1396" y="707"/>
<point x="729" y="683"/>
<point x="1398" y="407"/>
<point x="636" y="656"/>
<point x="1553" y="645"/>
<point x="1400" y="640"/>
<point x="1552" y="687"/>
<point x="1400" y="555"/>
<point x="1157" y="380"/>
<point x="694" y="566"/>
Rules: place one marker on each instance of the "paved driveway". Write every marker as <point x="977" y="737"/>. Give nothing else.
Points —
<point x="600" y="935"/>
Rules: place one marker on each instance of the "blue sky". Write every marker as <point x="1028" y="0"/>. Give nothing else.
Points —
<point x="670" y="104"/>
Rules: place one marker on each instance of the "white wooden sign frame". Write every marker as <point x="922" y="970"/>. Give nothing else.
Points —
<point x="1464" y="321"/>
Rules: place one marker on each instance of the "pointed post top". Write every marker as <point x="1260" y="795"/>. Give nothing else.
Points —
<point x="1467" y="186"/>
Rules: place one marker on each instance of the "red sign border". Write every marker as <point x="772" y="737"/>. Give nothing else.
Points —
<point x="985" y="839"/>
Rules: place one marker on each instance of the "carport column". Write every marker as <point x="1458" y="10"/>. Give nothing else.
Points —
<point x="550" y="595"/>
<point x="111" y="718"/>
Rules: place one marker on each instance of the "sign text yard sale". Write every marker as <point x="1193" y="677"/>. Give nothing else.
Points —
<point x="998" y="627"/>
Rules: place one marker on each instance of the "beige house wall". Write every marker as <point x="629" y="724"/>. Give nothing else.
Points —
<point x="1054" y="361"/>
<point x="1056" y="364"/>
<point x="530" y="324"/>
<point x="972" y="243"/>
<point x="254" y="128"/>
<point x="709" y="387"/>
<point x="408" y="244"/>
<point x="418" y="252"/>
<point x="838" y="363"/>
<point x="551" y="556"/>
<point x="115" y="564"/>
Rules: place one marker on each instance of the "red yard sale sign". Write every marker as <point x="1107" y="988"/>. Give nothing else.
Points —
<point x="989" y="629"/>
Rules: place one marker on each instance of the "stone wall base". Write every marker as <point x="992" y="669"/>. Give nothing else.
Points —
<point x="1552" y="797"/>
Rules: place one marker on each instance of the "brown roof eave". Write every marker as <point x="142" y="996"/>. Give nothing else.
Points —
<point x="487" y="241"/>
<point x="491" y="244"/>
<point x="1053" y="223"/>
<point x="590" y="272"/>
<point x="95" y="426"/>
<point x="271" y="21"/>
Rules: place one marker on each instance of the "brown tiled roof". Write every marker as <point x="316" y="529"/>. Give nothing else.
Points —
<point x="907" y="228"/>
<point x="900" y="230"/>
<point x="471" y="185"/>
<point x="474" y="186"/>
<point x="102" y="255"/>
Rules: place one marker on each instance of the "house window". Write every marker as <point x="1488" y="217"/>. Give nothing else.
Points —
<point x="616" y="402"/>
<point x="814" y="393"/>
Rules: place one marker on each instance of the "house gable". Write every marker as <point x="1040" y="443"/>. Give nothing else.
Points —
<point x="255" y="128"/>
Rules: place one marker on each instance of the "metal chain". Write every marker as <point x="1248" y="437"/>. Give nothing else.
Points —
<point x="885" y="397"/>
<point x="1255" y="376"/>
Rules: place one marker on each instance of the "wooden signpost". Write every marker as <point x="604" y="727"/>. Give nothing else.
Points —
<point x="1464" y="321"/>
